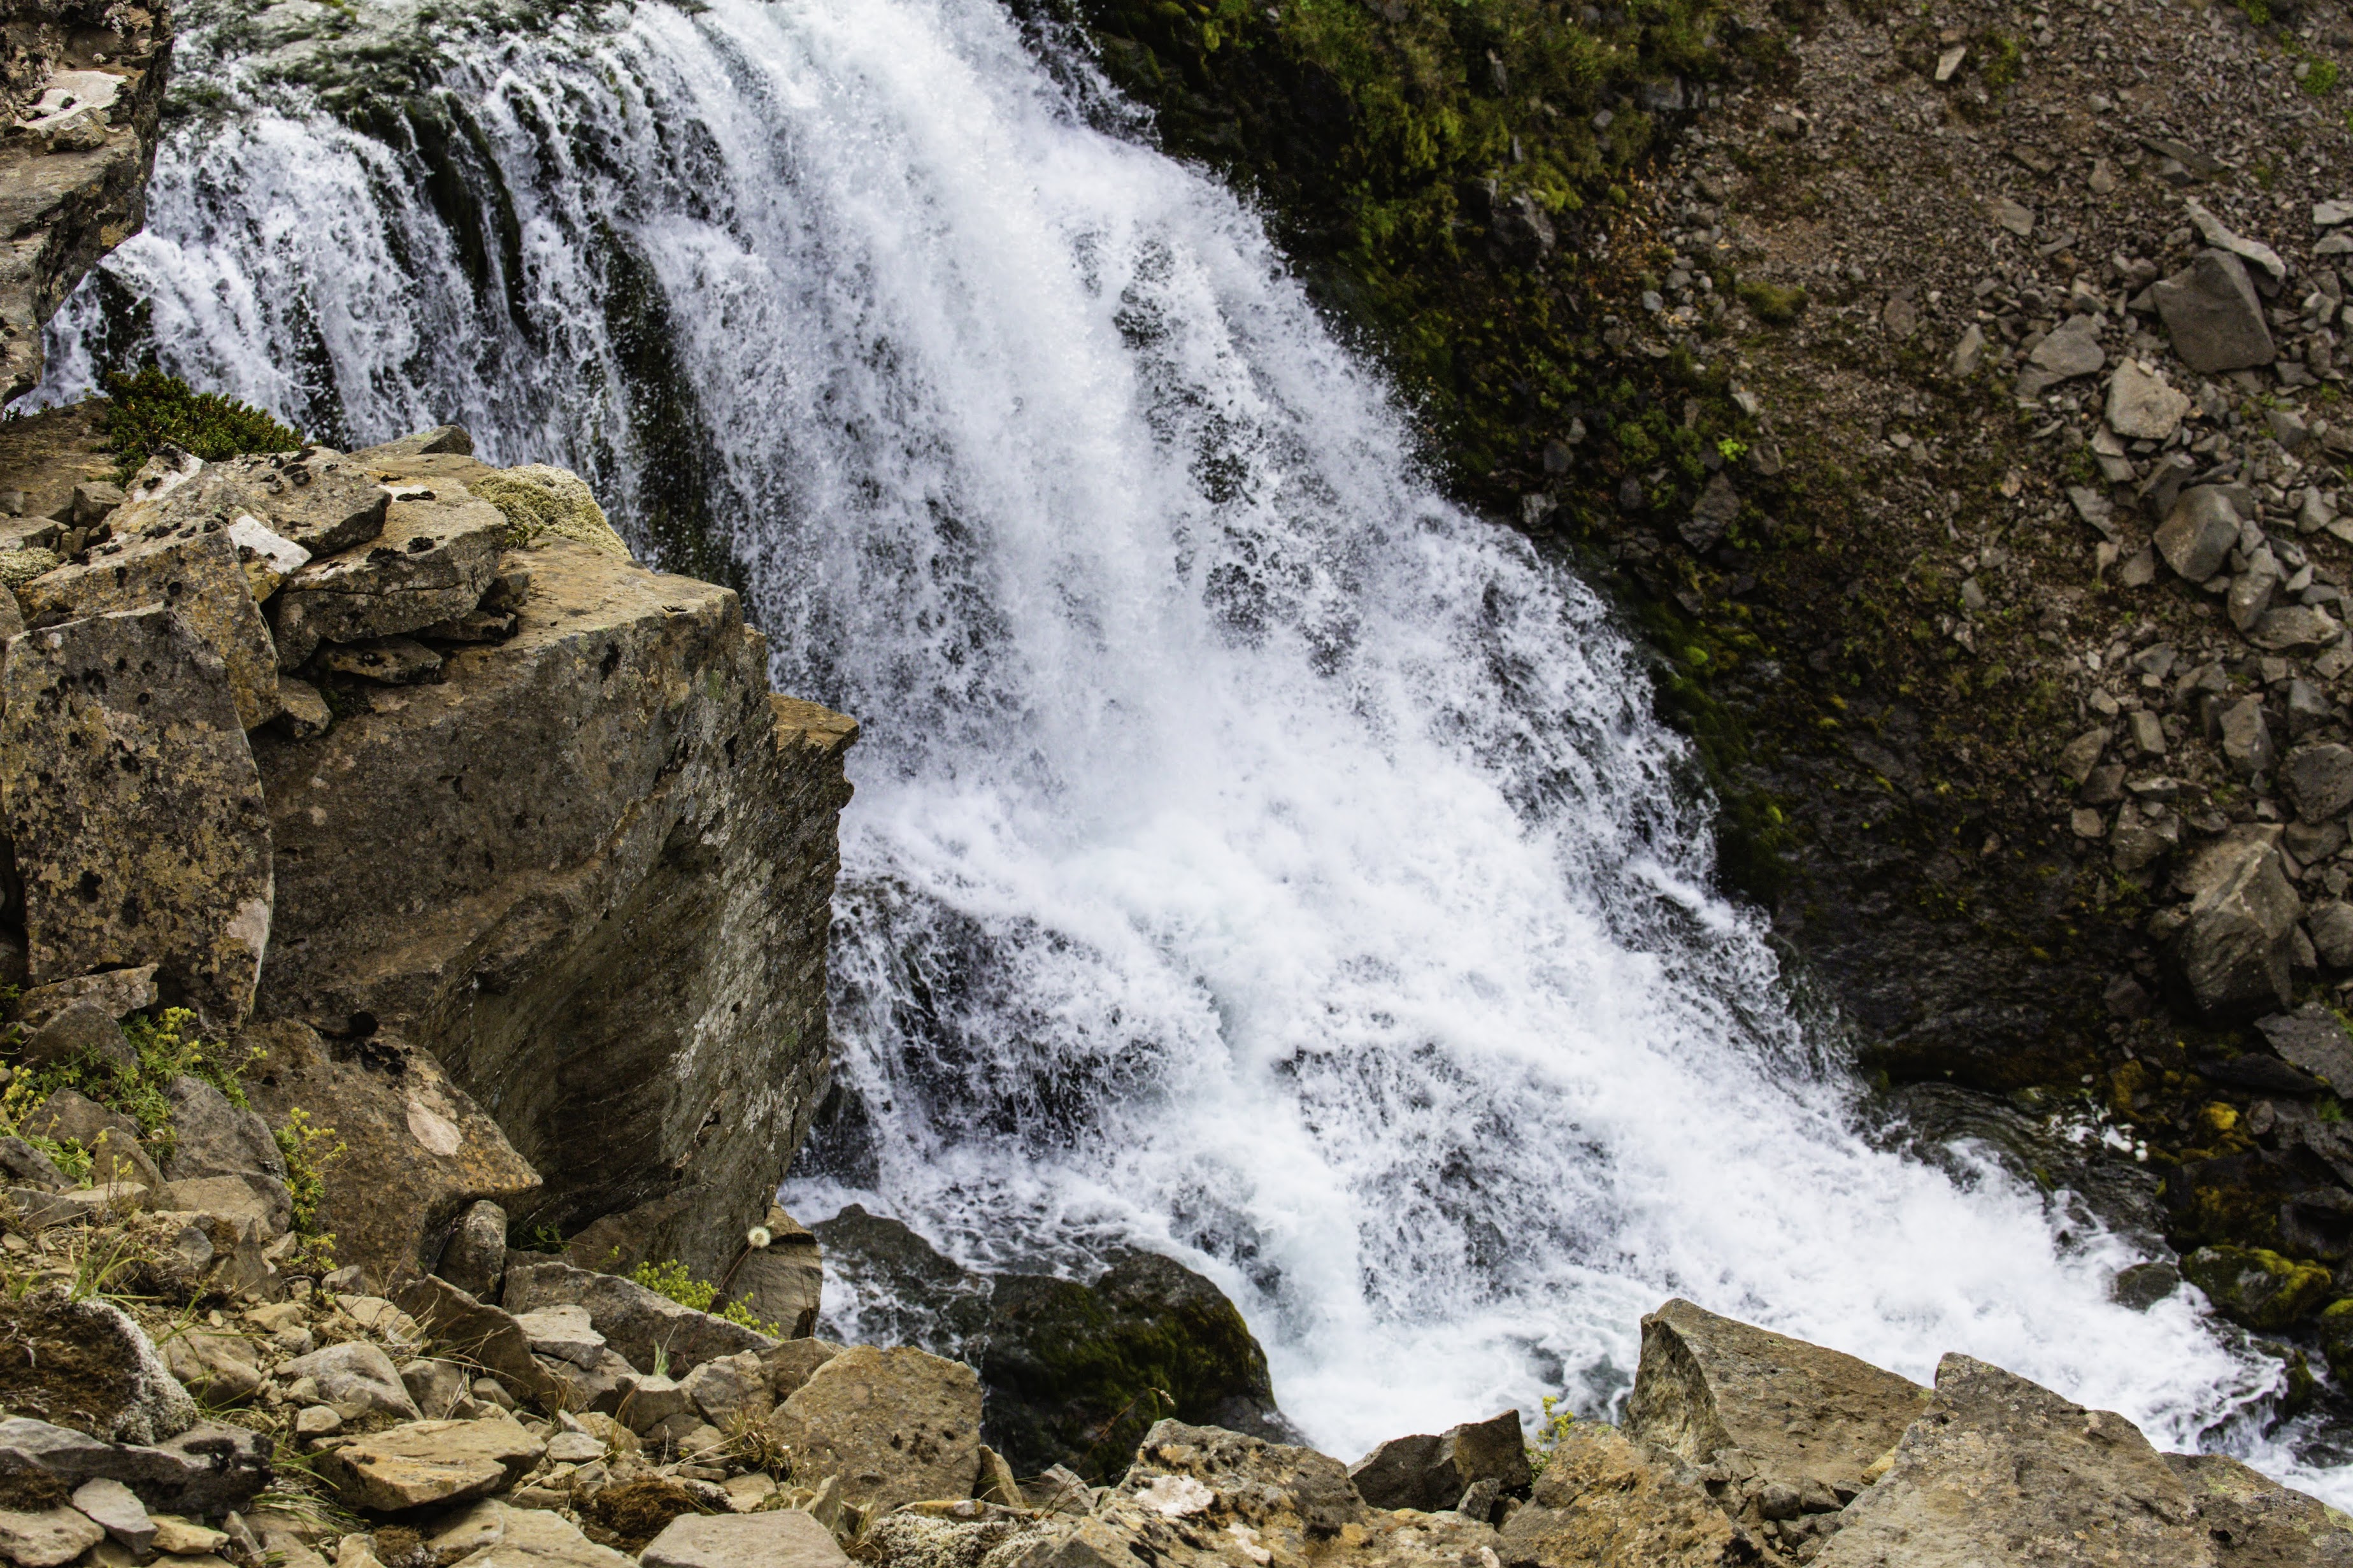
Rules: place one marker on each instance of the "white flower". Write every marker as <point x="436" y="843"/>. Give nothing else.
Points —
<point x="757" y="1236"/>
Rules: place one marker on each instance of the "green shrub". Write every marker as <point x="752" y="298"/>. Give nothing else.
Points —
<point x="1774" y="304"/>
<point x="150" y="408"/>
<point x="308" y="1152"/>
<point x="166" y="1048"/>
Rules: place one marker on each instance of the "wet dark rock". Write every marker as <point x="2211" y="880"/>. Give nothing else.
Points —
<point x="1432" y="1472"/>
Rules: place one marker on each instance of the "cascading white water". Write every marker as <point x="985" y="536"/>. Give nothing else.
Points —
<point x="1255" y="858"/>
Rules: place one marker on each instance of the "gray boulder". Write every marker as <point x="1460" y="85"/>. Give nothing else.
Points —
<point x="2314" y="1039"/>
<point x="190" y="567"/>
<point x="475" y="1258"/>
<point x="213" y="1138"/>
<point x="25" y="1166"/>
<point x="2213" y="315"/>
<point x="2296" y="628"/>
<point x="1609" y="1500"/>
<point x="355" y="1377"/>
<point x="1796" y="1412"/>
<point x="2198" y="532"/>
<point x="2246" y="736"/>
<point x="1432" y="1473"/>
<point x="81" y="1033"/>
<point x="126" y="773"/>
<point x="1996" y="1462"/>
<point x="320" y="502"/>
<point x="2331" y="924"/>
<point x="2319" y="781"/>
<point x="208" y="1468"/>
<point x="782" y="1538"/>
<point x="2236" y="946"/>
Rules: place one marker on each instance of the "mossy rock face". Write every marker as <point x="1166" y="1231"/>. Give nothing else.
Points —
<point x="2336" y="1338"/>
<point x="540" y="499"/>
<point x="1076" y="1375"/>
<point x="2257" y="1287"/>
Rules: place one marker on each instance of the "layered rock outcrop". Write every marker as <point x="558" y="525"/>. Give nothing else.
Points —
<point x="492" y="841"/>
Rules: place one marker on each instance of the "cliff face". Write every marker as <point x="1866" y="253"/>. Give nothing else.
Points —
<point x="589" y="871"/>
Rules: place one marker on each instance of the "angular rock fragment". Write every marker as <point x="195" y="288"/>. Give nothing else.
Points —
<point x="388" y="661"/>
<point x="894" y="1424"/>
<point x="2141" y="405"/>
<point x="1797" y="1412"/>
<point x="2235" y="949"/>
<point x="542" y="500"/>
<point x="217" y="1368"/>
<point x="184" y="568"/>
<point x="474" y="1258"/>
<point x="2296" y="628"/>
<point x="2198" y="532"/>
<point x="49" y="1538"/>
<point x="213" y="1138"/>
<point x="207" y="1468"/>
<point x="116" y="992"/>
<point x="116" y="1509"/>
<point x="2213" y="315"/>
<point x="2319" y="780"/>
<point x="1430" y="1473"/>
<point x="134" y="808"/>
<point x="785" y="1537"/>
<point x="81" y="1033"/>
<point x="434" y="559"/>
<point x="355" y="1377"/>
<point x="2313" y="1038"/>
<point x="431" y="1462"/>
<point x="480" y="1335"/>
<point x="1997" y="1460"/>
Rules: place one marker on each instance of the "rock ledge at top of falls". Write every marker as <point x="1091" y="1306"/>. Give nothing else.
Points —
<point x="83" y="88"/>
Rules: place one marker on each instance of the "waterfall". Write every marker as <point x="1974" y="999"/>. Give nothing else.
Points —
<point x="1255" y="858"/>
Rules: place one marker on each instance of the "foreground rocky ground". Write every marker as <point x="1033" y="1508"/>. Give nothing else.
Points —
<point x="591" y="1421"/>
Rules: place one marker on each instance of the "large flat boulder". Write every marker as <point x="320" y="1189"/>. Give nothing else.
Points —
<point x="2000" y="1470"/>
<point x="785" y="1537"/>
<point x="434" y="559"/>
<point x="190" y="567"/>
<point x="134" y="808"/>
<point x="1797" y="1412"/>
<point x="205" y="1470"/>
<point x="893" y="1426"/>
<point x="627" y="856"/>
<point x="419" y="1153"/>
<point x="427" y="1462"/>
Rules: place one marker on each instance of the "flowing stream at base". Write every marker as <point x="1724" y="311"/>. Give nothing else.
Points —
<point x="1254" y="858"/>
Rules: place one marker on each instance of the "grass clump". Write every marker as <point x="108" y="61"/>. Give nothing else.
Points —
<point x="1775" y="304"/>
<point x="1551" y="1432"/>
<point x="152" y="409"/>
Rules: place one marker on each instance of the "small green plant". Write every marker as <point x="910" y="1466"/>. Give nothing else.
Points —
<point x="546" y="1238"/>
<point x="150" y="408"/>
<point x="1731" y="448"/>
<point x="1551" y="1432"/>
<point x="2321" y="80"/>
<point x="308" y="1152"/>
<point x="2006" y="62"/>
<point x="165" y="1046"/>
<point x="672" y="1279"/>
<point x="2330" y="1110"/>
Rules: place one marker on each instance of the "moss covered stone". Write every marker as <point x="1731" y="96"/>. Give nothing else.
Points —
<point x="540" y="499"/>
<point x="1076" y="1375"/>
<point x="2257" y="1287"/>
